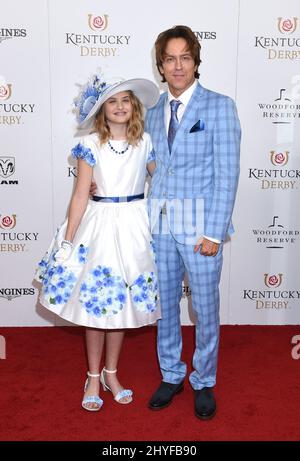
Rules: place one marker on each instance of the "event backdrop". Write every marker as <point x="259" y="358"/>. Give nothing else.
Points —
<point x="250" y="51"/>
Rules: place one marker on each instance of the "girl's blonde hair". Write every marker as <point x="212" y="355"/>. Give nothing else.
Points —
<point x="135" y="128"/>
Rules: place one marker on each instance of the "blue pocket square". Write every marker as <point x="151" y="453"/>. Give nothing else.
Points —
<point x="199" y="126"/>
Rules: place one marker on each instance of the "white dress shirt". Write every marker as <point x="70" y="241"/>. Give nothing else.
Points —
<point x="184" y="99"/>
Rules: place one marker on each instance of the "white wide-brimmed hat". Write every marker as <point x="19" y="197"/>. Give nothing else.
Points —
<point x="97" y="92"/>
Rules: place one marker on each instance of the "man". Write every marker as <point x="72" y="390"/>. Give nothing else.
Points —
<point x="196" y="138"/>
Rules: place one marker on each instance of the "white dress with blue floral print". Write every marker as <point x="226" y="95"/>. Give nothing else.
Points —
<point x="110" y="279"/>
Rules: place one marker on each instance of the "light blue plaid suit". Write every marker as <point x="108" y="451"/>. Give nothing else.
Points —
<point x="204" y="163"/>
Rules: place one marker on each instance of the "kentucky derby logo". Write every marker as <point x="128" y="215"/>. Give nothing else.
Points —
<point x="282" y="46"/>
<point x="96" y="41"/>
<point x="272" y="298"/>
<point x="12" y="112"/>
<point x="281" y="177"/>
<point x="273" y="281"/>
<point x="14" y="241"/>
<point x="98" y="23"/>
<point x="5" y="91"/>
<point x="7" y="166"/>
<point x="279" y="158"/>
<point x="8" y="222"/>
<point x="287" y="26"/>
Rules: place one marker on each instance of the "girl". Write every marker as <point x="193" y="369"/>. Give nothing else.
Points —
<point x="99" y="270"/>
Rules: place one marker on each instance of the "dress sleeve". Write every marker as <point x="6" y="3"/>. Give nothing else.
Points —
<point x="150" y="151"/>
<point x="151" y="156"/>
<point x="85" y="150"/>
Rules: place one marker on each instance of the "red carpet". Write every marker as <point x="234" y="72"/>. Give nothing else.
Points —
<point x="43" y="375"/>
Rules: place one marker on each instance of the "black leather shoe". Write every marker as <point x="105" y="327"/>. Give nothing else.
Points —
<point x="164" y="395"/>
<point x="205" y="403"/>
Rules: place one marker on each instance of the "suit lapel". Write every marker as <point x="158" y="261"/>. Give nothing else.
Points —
<point x="163" y="139"/>
<point x="187" y="119"/>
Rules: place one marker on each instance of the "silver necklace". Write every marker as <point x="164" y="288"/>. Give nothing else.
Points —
<point x="116" y="151"/>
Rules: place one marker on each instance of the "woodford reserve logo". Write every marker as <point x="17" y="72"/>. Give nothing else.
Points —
<point x="284" y="46"/>
<point x="284" y="109"/>
<point x="277" y="177"/>
<point x="274" y="297"/>
<point x="13" y="242"/>
<point x="275" y="235"/>
<point x="96" y="43"/>
<point x="12" y="113"/>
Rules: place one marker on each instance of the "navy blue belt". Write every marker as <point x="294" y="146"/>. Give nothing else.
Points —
<point x="129" y="198"/>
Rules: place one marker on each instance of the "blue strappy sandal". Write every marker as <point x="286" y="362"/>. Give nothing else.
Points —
<point x="120" y="395"/>
<point x="95" y="399"/>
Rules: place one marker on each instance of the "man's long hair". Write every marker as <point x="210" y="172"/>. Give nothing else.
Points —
<point x="177" y="32"/>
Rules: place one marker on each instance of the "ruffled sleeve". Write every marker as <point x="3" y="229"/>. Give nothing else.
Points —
<point x="151" y="156"/>
<point x="150" y="150"/>
<point x="85" y="150"/>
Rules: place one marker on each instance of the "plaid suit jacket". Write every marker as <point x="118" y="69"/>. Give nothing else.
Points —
<point x="204" y="161"/>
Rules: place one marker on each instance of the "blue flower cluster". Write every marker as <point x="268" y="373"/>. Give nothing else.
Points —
<point x="144" y="291"/>
<point x="153" y="250"/>
<point x="82" y="253"/>
<point x="85" y="153"/>
<point x="44" y="264"/>
<point x="103" y="293"/>
<point x="58" y="283"/>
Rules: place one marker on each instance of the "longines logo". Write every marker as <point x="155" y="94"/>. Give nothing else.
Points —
<point x="12" y="113"/>
<point x="282" y="110"/>
<point x="278" y="177"/>
<point x="11" y="293"/>
<point x="8" y="34"/>
<point x="7" y="169"/>
<point x="97" y="44"/>
<point x="284" y="46"/>
<point x="275" y="235"/>
<point x="275" y="297"/>
<point x="201" y="35"/>
<point x="13" y="242"/>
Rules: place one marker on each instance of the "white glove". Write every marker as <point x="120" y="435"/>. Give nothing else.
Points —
<point x="64" y="251"/>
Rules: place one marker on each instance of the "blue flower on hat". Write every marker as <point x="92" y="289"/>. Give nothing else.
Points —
<point x="89" y="95"/>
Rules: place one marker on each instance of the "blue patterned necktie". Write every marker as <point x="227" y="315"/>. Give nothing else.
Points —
<point x="173" y="122"/>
